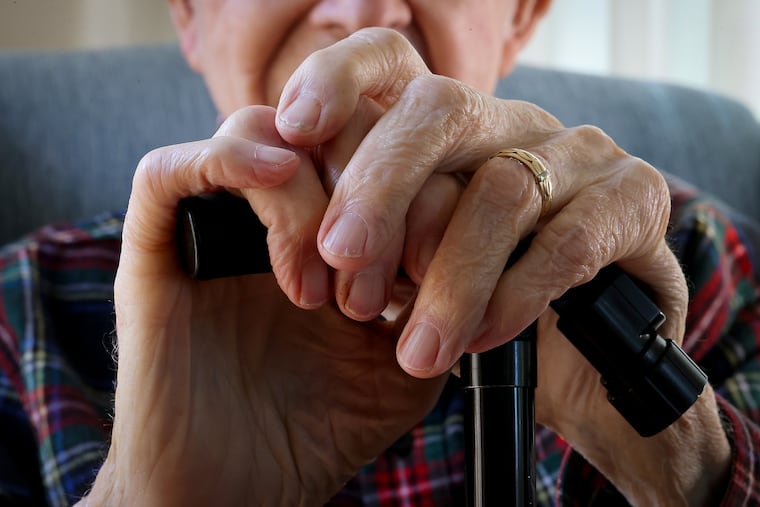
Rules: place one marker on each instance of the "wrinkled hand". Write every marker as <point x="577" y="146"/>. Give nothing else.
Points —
<point x="607" y="207"/>
<point x="227" y="393"/>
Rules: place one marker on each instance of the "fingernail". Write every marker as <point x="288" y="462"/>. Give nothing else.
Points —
<point x="366" y="297"/>
<point x="420" y="350"/>
<point x="314" y="283"/>
<point x="347" y="236"/>
<point x="273" y="155"/>
<point x="303" y="113"/>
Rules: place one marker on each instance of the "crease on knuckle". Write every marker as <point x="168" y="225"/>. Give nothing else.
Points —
<point x="379" y="36"/>
<point x="174" y="171"/>
<point x="588" y="147"/>
<point x="402" y="61"/>
<point x="153" y="170"/>
<point x="450" y="109"/>
<point x="658" y="197"/>
<point x="648" y="203"/>
<point x="574" y="256"/>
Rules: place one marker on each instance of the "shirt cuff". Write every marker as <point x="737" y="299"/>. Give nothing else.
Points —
<point x="743" y="487"/>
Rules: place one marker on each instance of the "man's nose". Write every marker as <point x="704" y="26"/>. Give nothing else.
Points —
<point x="352" y="15"/>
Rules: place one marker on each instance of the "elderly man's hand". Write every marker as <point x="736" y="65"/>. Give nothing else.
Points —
<point x="606" y="207"/>
<point x="228" y="393"/>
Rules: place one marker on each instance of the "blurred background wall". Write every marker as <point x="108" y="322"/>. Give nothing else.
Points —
<point x="713" y="44"/>
<point x="66" y="24"/>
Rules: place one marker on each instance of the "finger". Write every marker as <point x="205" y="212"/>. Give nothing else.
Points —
<point x="361" y="295"/>
<point x="495" y="211"/>
<point x="284" y="192"/>
<point x="621" y="219"/>
<point x="374" y="62"/>
<point x="292" y="213"/>
<point x="428" y="217"/>
<point x="166" y="175"/>
<point x="364" y="295"/>
<point x="255" y="123"/>
<point x="438" y="125"/>
<point x="371" y="200"/>
<point x="423" y="130"/>
<point x="333" y="155"/>
<point x="608" y="206"/>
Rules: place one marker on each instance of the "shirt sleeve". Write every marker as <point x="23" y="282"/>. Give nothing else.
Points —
<point x="20" y="479"/>
<point x="56" y="369"/>
<point x="719" y="251"/>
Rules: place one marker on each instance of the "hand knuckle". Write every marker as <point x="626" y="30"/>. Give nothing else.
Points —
<point x="655" y="196"/>
<point x="151" y="169"/>
<point x="574" y="254"/>
<point x="436" y="91"/>
<point x="451" y="108"/>
<point x="597" y="141"/>
<point x="379" y="36"/>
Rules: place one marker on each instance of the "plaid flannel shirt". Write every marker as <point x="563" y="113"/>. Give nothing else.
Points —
<point x="57" y="372"/>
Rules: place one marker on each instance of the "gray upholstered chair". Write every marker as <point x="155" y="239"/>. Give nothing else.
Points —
<point x="73" y="126"/>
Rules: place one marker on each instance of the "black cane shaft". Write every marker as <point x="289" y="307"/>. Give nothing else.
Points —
<point x="499" y="423"/>
<point x="500" y="446"/>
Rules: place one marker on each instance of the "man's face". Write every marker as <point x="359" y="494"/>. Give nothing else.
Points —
<point x="247" y="49"/>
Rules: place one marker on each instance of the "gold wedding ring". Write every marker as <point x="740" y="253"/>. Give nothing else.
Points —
<point x="539" y="170"/>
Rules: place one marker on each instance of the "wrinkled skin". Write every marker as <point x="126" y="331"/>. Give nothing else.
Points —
<point x="252" y="389"/>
